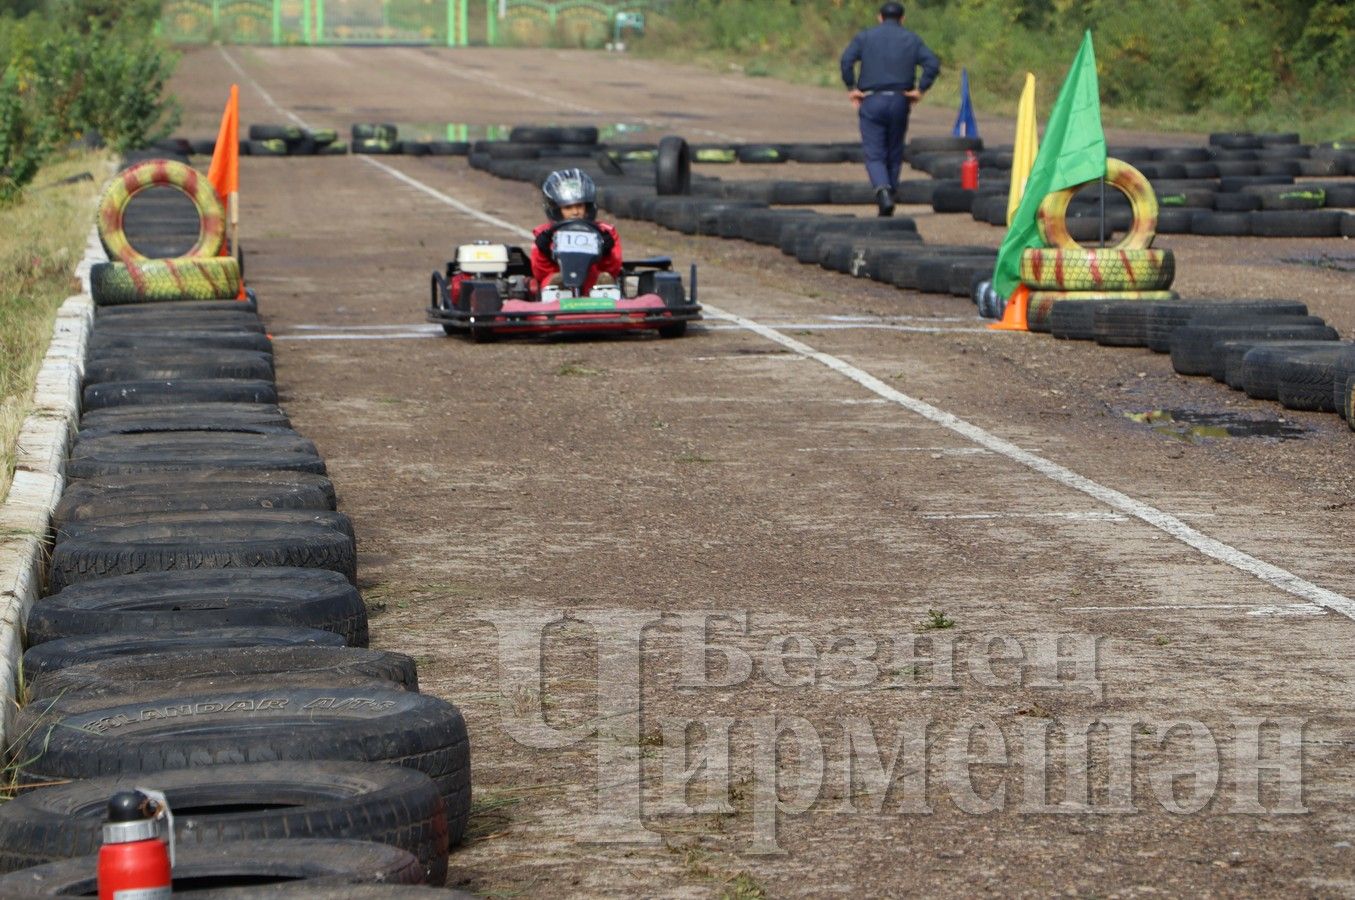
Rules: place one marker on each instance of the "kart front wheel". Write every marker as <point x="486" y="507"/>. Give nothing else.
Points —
<point x="449" y="330"/>
<point x="675" y="330"/>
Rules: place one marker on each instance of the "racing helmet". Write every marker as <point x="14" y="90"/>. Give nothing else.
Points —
<point x="566" y="187"/>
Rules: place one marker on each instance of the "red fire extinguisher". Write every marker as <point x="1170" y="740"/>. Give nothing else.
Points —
<point x="135" y="861"/>
<point x="969" y="172"/>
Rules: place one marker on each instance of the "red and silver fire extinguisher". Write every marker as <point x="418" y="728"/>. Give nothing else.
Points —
<point x="137" y="856"/>
<point x="969" y="172"/>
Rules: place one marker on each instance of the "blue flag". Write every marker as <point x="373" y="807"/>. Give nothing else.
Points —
<point x="965" y="123"/>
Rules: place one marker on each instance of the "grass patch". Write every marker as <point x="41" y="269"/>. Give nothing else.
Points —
<point x="41" y="241"/>
<point x="577" y="369"/>
<point x="936" y="620"/>
<point x="742" y="887"/>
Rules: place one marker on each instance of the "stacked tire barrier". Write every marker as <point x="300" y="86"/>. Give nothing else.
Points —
<point x="202" y="634"/>
<point x="1238" y="185"/>
<point x="1065" y="272"/>
<point x="264" y="140"/>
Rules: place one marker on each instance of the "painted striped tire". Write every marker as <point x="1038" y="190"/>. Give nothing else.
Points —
<point x="160" y="173"/>
<point x="1082" y="269"/>
<point x="147" y="281"/>
<point x="1052" y="216"/>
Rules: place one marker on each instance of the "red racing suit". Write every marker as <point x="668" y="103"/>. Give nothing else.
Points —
<point x="543" y="267"/>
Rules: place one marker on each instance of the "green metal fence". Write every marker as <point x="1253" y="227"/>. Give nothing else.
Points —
<point x="443" y="22"/>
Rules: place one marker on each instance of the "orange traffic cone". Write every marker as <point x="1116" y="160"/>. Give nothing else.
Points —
<point x="1014" y="315"/>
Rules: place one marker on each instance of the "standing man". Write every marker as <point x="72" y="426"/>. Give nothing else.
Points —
<point x="885" y="92"/>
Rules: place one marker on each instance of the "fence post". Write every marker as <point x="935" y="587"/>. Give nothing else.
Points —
<point x="463" y="11"/>
<point x="491" y="24"/>
<point x="320" y="21"/>
<point x="216" y="19"/>
<point x="277" y="22"/>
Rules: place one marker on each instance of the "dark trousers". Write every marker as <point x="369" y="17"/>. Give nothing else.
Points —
<point x="884" y="121"/>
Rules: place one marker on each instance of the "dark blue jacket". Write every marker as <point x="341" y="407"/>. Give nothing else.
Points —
<point x="889" y="55"/>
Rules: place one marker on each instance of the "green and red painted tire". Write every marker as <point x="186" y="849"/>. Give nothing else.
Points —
<point x="1052" y="217"/>
<point x="160" y="173"/>
<point x="147" y="281"/>
<point x="1082" y="269"/>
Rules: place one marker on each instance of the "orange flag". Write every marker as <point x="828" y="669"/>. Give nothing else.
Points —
<point x="224" y="173"/>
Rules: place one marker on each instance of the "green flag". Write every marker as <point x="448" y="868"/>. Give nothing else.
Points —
<point x="1073" y="152"/>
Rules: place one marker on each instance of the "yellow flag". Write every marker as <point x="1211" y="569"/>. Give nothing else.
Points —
<point x="1026" y="146"/>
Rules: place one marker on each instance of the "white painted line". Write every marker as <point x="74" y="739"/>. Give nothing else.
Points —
<point x="948" y="451"/>
<point x="1288" y="609"/>
<point x="408" y="326"/>
<point x="1097" y="516"/>
<point x="1269" y="573"/>
<point x="858" y="326"/>
<point x="1215" y="549"/>
<point x="393" y="336"/>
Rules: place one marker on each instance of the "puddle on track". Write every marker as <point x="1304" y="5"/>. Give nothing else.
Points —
<point x="1197" y="427"/>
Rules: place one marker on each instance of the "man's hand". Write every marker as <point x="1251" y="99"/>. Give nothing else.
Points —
<point x="856" y="95"/>
<point x="913" y="96"/>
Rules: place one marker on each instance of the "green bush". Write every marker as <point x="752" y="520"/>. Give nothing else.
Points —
<point x="93" y="65"/>
<point x="1246" y="63"/>
<point x="23" y="140"/>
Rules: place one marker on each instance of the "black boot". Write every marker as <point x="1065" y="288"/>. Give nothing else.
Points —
<point x="884" y="198"/>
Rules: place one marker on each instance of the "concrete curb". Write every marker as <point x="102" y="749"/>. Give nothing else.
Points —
<point x="39" y="477"/>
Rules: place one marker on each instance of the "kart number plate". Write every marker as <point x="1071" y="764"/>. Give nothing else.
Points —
<point x="578" y="242"/>
<point x="586" y="304"/>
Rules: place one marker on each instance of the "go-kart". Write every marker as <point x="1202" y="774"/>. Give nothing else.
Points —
<point x="488" y="290"/>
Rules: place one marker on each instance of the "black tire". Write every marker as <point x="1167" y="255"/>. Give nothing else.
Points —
<point x="182" y="417"/>
<point x="952" y="200"/>
<point x="289" y="133"/>
<point x="255" y="863"/>
<point x="915" y="192"/>
<point x="59" y="654"/>
<point x="1181" y="154"/>
<point x="187" y="451"/>
<point x="210" y="489"/>
<point x="306" y="598"/>
<point x="120" y="676"/>
<point x="448" y="148"/>
<point x="215" y="540"/>
<point x="176" y="308"/>
<point x="1307" y="378"/>
<point x="1318" y="223"/>
<point x="186" y="390"/>
<point x="1221" y="224"/>
<point x="334" y="889"/>
<point x="414" y="148"/>
<point x="817" y="153"/>
<point x="579" y="134"/>
<point x="943" y="145"/>
<point x="803" y="193"/>
<point x="1261" y="368"/>
<point x="262" y="801"/>
<point x="283" y="724"/>
<point x="362" y="131"/>
<point x="673" y="167"/>
<point x="1076" y="320"/>
<point x="1237" y="202"/>
<point x="268" y="148"/>
<point x="851" y="193"/>
<point x="213" y="323"/>
<point x="760" y="153"/>
<point x="185" y="339"/>
<point x="1165" y="318"/>
<point x="1194" y="348"/>
<point x="218" y="364"/>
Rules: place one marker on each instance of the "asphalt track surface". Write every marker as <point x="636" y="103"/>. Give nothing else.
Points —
<point x="824" y="463"/>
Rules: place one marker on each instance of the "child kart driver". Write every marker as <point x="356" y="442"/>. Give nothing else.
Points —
<point x="567" y="195"/>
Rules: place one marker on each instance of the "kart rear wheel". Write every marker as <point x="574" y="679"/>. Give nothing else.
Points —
<point x="449" y="330"/>
<point x="480" y="334"/>
<point x="675" y="330"/>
